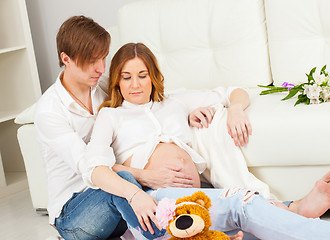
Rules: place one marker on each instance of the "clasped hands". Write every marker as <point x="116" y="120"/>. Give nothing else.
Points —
<point x="143" y="204"/>
<point x="167" y="176"/>
<point x="238" y="124"/>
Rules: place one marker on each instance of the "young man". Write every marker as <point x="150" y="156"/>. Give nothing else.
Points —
<point x="66" y="114"/>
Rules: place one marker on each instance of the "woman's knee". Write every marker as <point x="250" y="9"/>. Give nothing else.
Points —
<point x="241" y="194"/>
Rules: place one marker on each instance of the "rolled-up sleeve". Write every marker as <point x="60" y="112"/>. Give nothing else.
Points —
<point x="99" y="151"/>
<point x="224" y="94"/>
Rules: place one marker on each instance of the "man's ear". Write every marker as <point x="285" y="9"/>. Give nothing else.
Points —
<point x="65" y="58"/>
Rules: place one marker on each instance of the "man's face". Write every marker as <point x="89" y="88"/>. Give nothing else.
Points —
<point x="90" y="74"/>
<point x="86" y="76"/>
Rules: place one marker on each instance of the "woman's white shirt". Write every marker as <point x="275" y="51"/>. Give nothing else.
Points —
<point x="135" y="130"/>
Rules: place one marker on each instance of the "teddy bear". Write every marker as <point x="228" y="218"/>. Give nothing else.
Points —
<point x="188" y="218"/>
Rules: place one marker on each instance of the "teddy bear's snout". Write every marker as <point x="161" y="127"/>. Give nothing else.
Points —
<point x="186" y="225"/>
<point x="184" y="222"/>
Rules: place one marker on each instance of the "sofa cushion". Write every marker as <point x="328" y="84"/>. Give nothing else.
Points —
<point x="284" y="135"/>
<point x="298" y="36"/>
<point x="211" y="43"/>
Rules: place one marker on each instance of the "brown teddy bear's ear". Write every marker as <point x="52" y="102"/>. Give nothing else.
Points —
<point x="198" y="197"/>
<point x="200" y="202"/>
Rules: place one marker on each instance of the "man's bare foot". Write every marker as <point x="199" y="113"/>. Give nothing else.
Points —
<point x="238" y="236"/>
<point x="317" y="202"/>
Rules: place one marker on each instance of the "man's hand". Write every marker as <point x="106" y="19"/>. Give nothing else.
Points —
<point x="166" y="176"/>
<point x="201" y="117"/>
<point x="238" y="124"/>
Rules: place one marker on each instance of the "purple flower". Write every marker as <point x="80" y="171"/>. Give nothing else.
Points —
<point x="288" y="85"/>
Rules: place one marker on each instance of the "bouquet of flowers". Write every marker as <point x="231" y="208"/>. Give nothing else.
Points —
<point x="315" y="90"/>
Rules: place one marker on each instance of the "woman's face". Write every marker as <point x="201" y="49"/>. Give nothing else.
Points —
<point x="135" y="83"/>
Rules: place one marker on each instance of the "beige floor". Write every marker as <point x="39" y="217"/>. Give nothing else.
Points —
<point x="19" y="221"/>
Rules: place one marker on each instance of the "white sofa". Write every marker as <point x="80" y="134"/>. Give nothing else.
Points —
<point x="206" y="43"/>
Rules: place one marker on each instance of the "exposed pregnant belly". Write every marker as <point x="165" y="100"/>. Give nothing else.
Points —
<point x="169" y="154"/>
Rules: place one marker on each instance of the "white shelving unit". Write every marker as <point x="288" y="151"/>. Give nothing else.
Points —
<point x="19" y="88"/>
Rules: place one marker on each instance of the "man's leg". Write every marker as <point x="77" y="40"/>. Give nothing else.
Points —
<point x="95" y="214"/>
<point x="87" y="216"/>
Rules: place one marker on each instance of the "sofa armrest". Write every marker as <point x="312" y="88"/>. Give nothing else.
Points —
<point x="34" y="165"/>
<point x="27" y="116"/>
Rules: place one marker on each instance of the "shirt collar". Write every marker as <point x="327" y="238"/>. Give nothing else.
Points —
<point x="66" y="98"/>
<point x="129" y="105"/>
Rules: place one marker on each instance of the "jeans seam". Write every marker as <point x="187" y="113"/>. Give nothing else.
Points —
<point x="73" y="233"/>
<point x="65" y="214"/>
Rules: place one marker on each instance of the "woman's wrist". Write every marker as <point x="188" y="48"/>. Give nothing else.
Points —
<point x="236" y="106"/>
<point x="130" y="199"/>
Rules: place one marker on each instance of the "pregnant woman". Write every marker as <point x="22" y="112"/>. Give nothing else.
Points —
<point x="140" y="128"/>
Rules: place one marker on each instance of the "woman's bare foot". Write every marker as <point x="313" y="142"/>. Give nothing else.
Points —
<point x="238" y="236"/>
<point x="317" y="202"/>
<point x="279" y="204"/>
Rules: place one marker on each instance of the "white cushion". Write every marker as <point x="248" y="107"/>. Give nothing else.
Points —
<point x="284" y="135"/>
<point x="298" y="36"/>
<point x="27" y="116"/>
<point x="209" y="43"/>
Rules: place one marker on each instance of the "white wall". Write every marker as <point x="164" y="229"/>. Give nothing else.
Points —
<point x="46" y="16"/>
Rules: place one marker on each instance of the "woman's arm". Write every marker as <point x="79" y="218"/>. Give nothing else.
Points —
<point x="201" y="104"/>
<point x="239" y="127"/>
<point x="201" y="117"/>
<point x="238" y="124"/>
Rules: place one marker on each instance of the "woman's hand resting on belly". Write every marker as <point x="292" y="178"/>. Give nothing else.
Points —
<point x="168" y="166"/>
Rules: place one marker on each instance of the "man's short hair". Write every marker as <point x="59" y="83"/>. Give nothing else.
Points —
<point x="83" y="40"/>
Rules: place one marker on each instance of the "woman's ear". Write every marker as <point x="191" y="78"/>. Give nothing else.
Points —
<point x="65" y="58"/>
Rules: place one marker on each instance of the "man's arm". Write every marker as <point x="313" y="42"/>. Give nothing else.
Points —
<point x="142" y="203"/>
<point x="55" y="130"/>
<point x="167" y="176"/>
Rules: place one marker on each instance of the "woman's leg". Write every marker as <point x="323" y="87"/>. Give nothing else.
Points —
<point x="95" y="214"/>
<point x="252" y="213"/>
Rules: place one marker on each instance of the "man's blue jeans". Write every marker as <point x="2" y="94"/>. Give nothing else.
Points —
<point x="95" y="214"/>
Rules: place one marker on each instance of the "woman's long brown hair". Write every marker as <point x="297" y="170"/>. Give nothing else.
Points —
<point x="127" y="52"/>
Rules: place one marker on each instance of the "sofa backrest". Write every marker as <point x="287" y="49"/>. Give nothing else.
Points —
<point x="200" y="43"/>
<point x="298" y="36"/>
